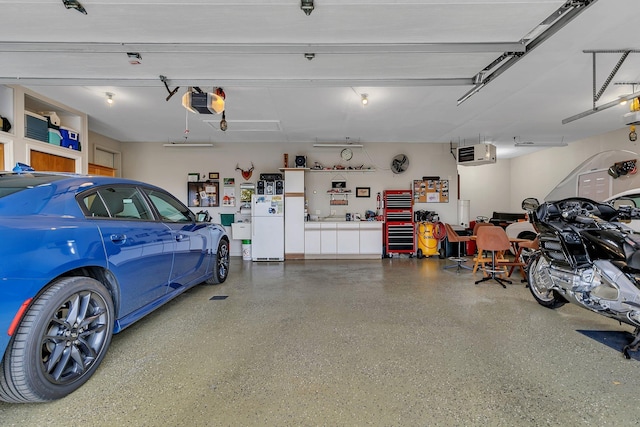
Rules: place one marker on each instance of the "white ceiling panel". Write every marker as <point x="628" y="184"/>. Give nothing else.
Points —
<point x="414" y="59"/>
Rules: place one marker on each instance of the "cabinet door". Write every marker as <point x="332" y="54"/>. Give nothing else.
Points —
<point x="294" y="225"/>
<point x="328" y="242"/>
<point x="312" y="240"/>
<point x="348" y="238"/>
<point x="371" y="238"/>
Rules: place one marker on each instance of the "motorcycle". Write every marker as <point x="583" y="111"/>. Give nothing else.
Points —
<point x="586" y="256"/>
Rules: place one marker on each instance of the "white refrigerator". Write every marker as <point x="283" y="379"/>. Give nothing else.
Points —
<point x="267" y="227"/>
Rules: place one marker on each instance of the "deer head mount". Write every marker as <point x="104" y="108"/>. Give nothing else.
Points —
<point x="246" y="174"/>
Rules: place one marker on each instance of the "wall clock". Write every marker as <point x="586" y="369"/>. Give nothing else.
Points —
<point x="399" y="163"/>
<point x="346" y="154"/>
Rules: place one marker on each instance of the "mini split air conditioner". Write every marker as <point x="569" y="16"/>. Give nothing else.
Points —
<point x="479" y="154"/>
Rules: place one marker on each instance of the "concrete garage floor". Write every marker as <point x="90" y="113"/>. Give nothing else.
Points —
<point x="393" y="342"/>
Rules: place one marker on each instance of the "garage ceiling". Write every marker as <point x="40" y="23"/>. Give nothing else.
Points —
<point x="415" y="59"/>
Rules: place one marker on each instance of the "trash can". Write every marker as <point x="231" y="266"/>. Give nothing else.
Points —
<point x="246" y="250"/>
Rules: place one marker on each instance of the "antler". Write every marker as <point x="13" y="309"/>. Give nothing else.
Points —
<point x="246" y="174"/>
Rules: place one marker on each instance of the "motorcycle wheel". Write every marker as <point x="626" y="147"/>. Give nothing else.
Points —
<point x="540" y="283"/>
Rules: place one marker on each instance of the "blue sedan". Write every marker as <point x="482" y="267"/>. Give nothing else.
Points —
<point x="82" y="258"/>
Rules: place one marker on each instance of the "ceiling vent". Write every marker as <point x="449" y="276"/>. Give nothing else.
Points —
<point x="479" y="154"/>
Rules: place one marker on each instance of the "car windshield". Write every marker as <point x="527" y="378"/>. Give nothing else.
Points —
<point x="11" y="183"/>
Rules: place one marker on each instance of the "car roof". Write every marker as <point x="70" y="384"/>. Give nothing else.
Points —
<point x="71" y="179"/>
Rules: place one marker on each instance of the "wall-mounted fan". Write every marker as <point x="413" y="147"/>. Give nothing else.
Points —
<point x="399" y="163"/>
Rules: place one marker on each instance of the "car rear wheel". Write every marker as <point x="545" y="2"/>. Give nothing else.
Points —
<point x="60" y="342"/>
<point x="221" y="269"/>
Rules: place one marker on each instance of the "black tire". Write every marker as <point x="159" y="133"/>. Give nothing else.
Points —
<point x="60" y="342"/>
<point x="419" y="254"/>
<point x="539" y="283"/>
<point x="221" y="268"/>
<point x="442" y="253"/>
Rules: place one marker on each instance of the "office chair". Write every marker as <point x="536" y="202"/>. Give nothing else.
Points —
<point x="495" y="240"/>
<point x="454" y="237"/>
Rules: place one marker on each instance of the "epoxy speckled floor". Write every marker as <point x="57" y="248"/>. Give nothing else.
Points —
<point x="392" y="342"/>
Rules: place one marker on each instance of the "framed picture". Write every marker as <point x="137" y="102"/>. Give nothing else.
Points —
<point x="193" y="177"/>
<point x="214" y="175"/>
<point x="363" y="191"/>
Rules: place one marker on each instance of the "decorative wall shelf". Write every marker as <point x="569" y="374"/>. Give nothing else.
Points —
<point x="342" y="170"/>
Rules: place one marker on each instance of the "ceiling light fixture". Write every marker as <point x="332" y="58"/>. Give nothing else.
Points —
<point x="364" y="98"/>
<point x="109" y="98"/>
<point x="306" y="6"/>
<point x="540" y="144"/>
<point x="74" y="4"/>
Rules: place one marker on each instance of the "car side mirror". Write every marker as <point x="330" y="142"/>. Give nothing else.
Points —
<point x="530" y="204"/>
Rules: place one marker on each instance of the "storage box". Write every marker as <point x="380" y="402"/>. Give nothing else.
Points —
<point x="70" y="138"/>
<point x="35" y="127"/>
<point x="227" y="219"/>
<point x="54" y="136"/>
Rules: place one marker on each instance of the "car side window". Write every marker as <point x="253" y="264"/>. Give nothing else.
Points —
<point x="169" y="208"/>
<point x="117" y="203"/>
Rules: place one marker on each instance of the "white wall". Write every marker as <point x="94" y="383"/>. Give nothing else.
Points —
<point x="497" y="187"/>
<point x="487" y="187"/>
<point x="536" y="174"/>
<point x="168" y="168"/>
<point x="503" y="186"/>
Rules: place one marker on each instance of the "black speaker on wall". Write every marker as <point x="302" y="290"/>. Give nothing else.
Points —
<point x="301" y="161"/>
<point x="279" y="187"/>
<point x="260" y="187"/>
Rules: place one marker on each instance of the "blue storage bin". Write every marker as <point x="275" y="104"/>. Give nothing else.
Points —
<point x="55" y="136"/>
<point x="70" y="138"/>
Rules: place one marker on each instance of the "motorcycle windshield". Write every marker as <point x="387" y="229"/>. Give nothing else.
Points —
<point x="600" y="177"/>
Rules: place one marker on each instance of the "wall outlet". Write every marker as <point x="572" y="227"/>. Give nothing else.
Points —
<point x="318" y="212"/>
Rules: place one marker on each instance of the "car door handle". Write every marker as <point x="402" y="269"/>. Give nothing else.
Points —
<point x="118" y="238"/>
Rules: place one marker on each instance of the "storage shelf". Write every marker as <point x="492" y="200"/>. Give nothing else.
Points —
<point x="341" y="170"/>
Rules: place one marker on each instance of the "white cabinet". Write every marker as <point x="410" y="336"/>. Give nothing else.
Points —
<point x="294" y="234"/>
<point x="241" y="231"/>
<point x="348" y="237"/>
<point x="343" y="240"/>
<point x="371" y="238"/>
<point x="328" y="238"/>
<point x="312" y="238"/>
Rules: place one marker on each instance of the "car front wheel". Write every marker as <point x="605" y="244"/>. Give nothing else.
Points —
<point x="221" y="268"/>
<point x="60" y="342"/>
